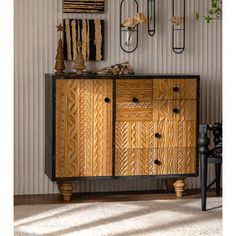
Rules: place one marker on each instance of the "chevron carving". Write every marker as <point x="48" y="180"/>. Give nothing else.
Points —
<point x="83" y="128"/>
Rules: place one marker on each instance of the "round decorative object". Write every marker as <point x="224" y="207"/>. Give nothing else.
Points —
<point x="107" y="100"/>
<point x="157" y="135"/>
<point x="157" y="162"/>
<point x="135" y="100"/>
<point x="175" y="89"/>
<point x="176" y="110"/>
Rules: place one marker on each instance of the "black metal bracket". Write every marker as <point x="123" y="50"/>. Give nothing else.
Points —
<point x="176" y="30"/>
<point x="151" y="17"/>
<point x="125" y="31"/>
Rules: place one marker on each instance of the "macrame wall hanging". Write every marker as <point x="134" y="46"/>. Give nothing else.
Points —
<point x="83" y="6"/>
<point x="88" y="32"/>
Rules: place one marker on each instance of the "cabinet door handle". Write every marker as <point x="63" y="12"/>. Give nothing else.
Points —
<point x="107" y="100"/>
<point x="176" y="110"/>
<point x="157" y="135"/>
<point x="135" y="99"/>
<point x="157" y="162"/>
<point x="175" y="89"/>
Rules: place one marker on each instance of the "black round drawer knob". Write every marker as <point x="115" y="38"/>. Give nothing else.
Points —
<point x="157" y="162"/>
<point x="107" y="100"/>
<point x="135" y="100"/>
<point x="176" y="110"/>
<point x="176" y="89"/>
<point x="157" y="135"/>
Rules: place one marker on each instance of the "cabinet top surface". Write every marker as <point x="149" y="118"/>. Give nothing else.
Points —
<point x="135" y="75"/>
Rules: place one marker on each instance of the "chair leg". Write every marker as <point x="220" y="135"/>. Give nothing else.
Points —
<point x="203" y="175"/>
<point x="218" y="175"/>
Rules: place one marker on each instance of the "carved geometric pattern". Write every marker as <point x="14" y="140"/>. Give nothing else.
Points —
<point x="126" y="90"/>
<point x="128" y="95"/>
<point x="134" y="84"/>
<point x="181" y="149"/>
<point x="134" y="114"/>
<point x="132" y="161"/>
<point x="134" y="105"/>
<point x="191" y="160"/>
<point x="83" y="128"/>
<point x="163" y="89"/>
<point x="151" y="150"/>
<point x="133" y="140"/>
<point x="163" y="110"/>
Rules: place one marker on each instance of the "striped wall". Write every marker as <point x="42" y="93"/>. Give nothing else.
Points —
<point x="34" y="53"/>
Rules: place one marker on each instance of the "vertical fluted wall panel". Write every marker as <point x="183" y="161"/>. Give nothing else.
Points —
<point x="35" y="49"/>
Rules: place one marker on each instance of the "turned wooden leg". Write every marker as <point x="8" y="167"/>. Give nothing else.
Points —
<point x="169" y="184"/>
<point x="66" y="189"/>
<point x="179" y="185"/>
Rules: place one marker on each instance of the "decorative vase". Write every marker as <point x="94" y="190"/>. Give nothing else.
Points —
<point x="129" y="38"/>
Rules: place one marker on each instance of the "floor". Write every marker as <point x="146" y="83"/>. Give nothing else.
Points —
<point x="105" y="197"/>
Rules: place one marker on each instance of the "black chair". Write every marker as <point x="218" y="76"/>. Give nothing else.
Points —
<point x="207" y="156"/>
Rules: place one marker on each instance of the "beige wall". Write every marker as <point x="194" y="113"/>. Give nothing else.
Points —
<point x="35" y="50"/>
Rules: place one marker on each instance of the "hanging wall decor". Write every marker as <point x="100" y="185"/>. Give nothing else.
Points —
<point x="83" y="6"/>
<point x="128" y="28"/>
<point x="151" y="16"/>
<point x="90" y="33"/>
<point x="178" y="26"/>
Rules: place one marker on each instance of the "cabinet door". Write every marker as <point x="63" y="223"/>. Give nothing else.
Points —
<point x="83" y="128"/>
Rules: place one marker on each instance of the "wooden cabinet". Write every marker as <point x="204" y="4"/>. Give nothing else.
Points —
<point x="121" y="127"/>
<point x="83" y="128"/>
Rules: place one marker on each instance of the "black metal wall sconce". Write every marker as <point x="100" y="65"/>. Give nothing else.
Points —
<point x="178" y="26"/>
<point x="151" y="16"/>
<point x="128" y="35"/>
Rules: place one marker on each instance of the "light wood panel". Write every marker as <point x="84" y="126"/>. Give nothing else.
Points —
<point x="134" y="84"/>
<point x="141" y="89"/>
<point x="141" y="161"/>
<point x="174" y="160"/>
<point x="175" y="134"/>
<point x="134" y="114"/>
<point x="134" y="135"/>
<point x="132" y="161"/>
<point x="157" y="137"/>
<point x="163" y="110"/>
<point x="127" y="95"/>
<point x="133" y="152"/>
<point x="164" y="89"/>
<point x="83" y="128"/>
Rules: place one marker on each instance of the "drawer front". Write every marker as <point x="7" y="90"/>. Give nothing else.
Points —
<point x="174" y="89"/>
<point x="134" y="91"/>
<point x="173" y="161"/>
<point x="156" y="134"/>
<point x="175" y="134"/>
<point x="155" y="161"/>
<point x="174" y="110"/>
